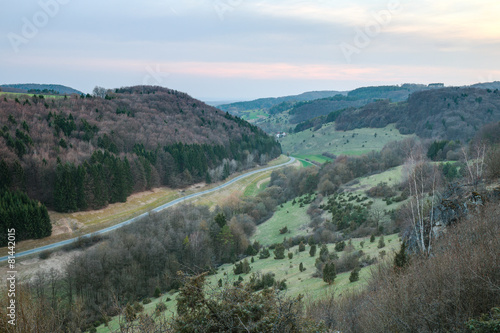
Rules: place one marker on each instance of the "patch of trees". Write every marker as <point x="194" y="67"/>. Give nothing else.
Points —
<point x="164" y="138"/>
<point x="29" y="218"/>
<point x="346" y="214"/>
<point x="304" y="111"/>
<point x="448" y="114"/>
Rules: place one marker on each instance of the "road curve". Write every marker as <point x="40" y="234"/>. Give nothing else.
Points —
<point x="157" y="209"/>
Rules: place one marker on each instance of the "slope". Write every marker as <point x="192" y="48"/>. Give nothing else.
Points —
<point x="77" y="152"/>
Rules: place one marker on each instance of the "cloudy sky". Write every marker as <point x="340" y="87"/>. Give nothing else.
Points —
<point x="245" y="49"/>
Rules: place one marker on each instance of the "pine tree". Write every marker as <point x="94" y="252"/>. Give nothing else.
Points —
<point x="329" y="273"/>
<point x="312" y="251"/>
<point x="372" y="238"/>
<point x="381" y="242"/>
<point x="302" y="247"/>
<point x="301" y="267"/>
<point x="323" y="253"/>
<point x="279" y="252"/>
<point x="354" y="274"/>
<point x="401" y="259"/>
<point x="220" y="219"/>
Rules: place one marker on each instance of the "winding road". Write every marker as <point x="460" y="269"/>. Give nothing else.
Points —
<point x="157" y="209"/>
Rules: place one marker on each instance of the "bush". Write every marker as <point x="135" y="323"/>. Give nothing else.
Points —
<point x="279" y="252"/>
<point x="340" y="246"/>
<point x="354" y="275"/>
<point x="264" y="254"/>
<point x="157" y="292"/>
<point x="146" y="301"/>
<point x="160" y="307"/>
<point x="44" y="254"/>
<point x="372" y="238"/>
<point x="302" y="247"/>
<point x="312" y="250"/>
<point x="290" y="255"/>
<point x="138" y="307"/>
<point x="381" y="242"/>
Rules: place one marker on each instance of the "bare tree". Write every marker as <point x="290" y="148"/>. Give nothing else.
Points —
<point x="99" y="92"/>
<point x="474" y="162"/>
<point x="423" y="179"/>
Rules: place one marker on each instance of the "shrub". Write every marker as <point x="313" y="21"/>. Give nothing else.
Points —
<point x="372" y="238"/>
<point x="302" y="247"/>
<point x="312" y="250"/>
<point x="381" y="242"/>
<point x="146" y="301"/>
<point x="290" y="255"/>
<point x="329" y="273"/>
<point x="157" y="292"/>
<point x="44" y="254"/>
<point x="354" y="275"/>
<point x="264" y="254"/>
<point x="340" y="246"/>
<point x="279" y="252"/>
<point x="160" y="307"/>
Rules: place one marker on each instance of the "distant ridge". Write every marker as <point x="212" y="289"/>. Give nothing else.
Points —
<point x="267" y="103"/>
<point x="26" y="87"/>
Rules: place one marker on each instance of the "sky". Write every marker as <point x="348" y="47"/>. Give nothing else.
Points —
<point x="247" y="49"/>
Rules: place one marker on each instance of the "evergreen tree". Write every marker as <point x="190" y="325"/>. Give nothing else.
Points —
<point x="323" y="253"/>
<point x="264" y="253"/>
<point x="401" y="259"/>
<point x="279" y="252"/>
<point x="329" y="273"/>
<point x="372" y="238"/>
<point x="302" y="247"/>
<point x="312" y="251"/>
<point x="354" y="275"/>
<point x="381" y="242"/>
<point x="301" y="267"/>
<point x="220" y="219"/>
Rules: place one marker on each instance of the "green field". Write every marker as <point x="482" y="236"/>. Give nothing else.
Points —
<point x="26" y="95"/>
<point x="327" y="139"/>
<point x="257" y="186"/>
<point x="303" y="282"/>
<point x="294" y="217"/>
<point x="298" y="283"/>
<point x="254" y="114"/>
<point x="315" y="158"/>
<point x="392" y="177"/>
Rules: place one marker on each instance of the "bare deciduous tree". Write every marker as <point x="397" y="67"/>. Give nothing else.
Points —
<point x="423" y="179"/>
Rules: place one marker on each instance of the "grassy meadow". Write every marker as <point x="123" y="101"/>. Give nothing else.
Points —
<point x="312" y="144"/>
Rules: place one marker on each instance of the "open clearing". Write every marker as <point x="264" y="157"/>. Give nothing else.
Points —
<point x="298" y="283"/>
<point x="327" y="139"/>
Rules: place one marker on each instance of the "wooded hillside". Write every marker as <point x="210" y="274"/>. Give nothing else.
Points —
<point x="83" y="152"/>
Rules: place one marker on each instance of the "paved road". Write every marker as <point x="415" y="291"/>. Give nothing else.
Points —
<point x="157" y="209"/>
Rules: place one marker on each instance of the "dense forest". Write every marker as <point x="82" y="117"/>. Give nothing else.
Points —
<point x="84" y="152"/>
<point x="448" y="113"/>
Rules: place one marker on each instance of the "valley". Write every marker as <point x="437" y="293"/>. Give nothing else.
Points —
<point x="358" y="200"/>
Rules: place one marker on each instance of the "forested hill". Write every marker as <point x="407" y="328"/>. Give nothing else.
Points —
<point x="450" y="113"/>
<point x="267" y="103"/>
<point x="39" y="88"/>
<point x="83" y="152"/>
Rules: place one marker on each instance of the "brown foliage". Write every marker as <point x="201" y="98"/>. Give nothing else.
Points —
<point x="436" y="294"/>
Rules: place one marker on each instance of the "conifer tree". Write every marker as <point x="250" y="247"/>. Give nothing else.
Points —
<point x="329" y="273"/>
